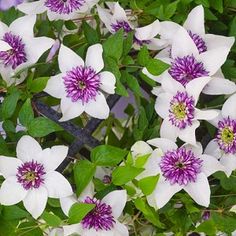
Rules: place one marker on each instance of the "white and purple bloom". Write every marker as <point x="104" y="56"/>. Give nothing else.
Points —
<point x="180" y="168"/>
<point x="31" y="177"/>
<point x="19" y="48"/>
<point x="176" y="104"/>
<point x="223" y="147"/>
<point x="80" y="83"/>
<point x="188" y="63"/>
<point x="119" y="20"/>
<point x="103" y="219"/>
<point x="58" y="9"/>
<point x="6" y="4"/>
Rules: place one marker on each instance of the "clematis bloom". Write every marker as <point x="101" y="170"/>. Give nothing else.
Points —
<point x="31" y="177"/>
<point x="80" y="83"/>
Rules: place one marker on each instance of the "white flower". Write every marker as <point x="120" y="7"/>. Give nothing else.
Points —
<point x="19" y="48"/>
<point x="79" y="83"/>
<point x="223" y="147"/>
<point x="181" y="168"/>
<point x="142" y="36"/>
<point x="101" y="221"/>
<point x="187" y="63"/>
<point x="57" y="9"/>
<point x="177" y="106"/>
<point x="31" y="177"/>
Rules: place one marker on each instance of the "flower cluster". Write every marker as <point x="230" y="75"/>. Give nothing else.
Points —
<point x="71" y="55"/>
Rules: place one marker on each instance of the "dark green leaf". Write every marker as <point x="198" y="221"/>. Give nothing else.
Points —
<point x="38" y="84"/>
<point x="90" y="33"/>
<point x="26" y="114"/>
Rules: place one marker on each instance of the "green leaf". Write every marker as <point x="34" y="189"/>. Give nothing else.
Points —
<point x="106" y="155"/>
<point x="156" y="66"/>
<point x="148" y="184"/>
<point x="13" y="213"/>
<point x="142" y="120"/>
<point x="38" y="84"/>
<point x="51" y="219"/>
<point x="232" y="29"/>
<point x="120" y="88"/>
<point x="90" y="33"/>
<point x="148" y="213"/>
<point x="171" y="9"/>
<point x="143" y="56"/>
<point x="41" y="126"/>
<point x="70" y="25"/>
<point x="113" y="46"/>
<point x="132" y="82"/>
<point x="207" y="227"/>
<point x="9" y="126"/>
<point x="141" y="160"/>
<point x="9" y="104"/>
<point x="123" y="174"/>
<point x="26" y="114"/>
<point x="128" y="42"/>
<point x="84" y="171"/>
<point x="78" y="211"/>
<point x="217" y="5"/>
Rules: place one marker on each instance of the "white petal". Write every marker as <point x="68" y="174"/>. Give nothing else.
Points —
<point x="188" y="134"/>
<point x="35" y="201"/>
<point x="215" y="41"/>
<point x="23" y="26"/>
<point x="168" y="130"/>
<point x="216" y="120"/>
<point x="3" y="29"/>
<point x="218" y="86"/>
<point x="117" y="200"/>
<point x="229" y="108"/>
<point x="70" y="229"/>
<point x="140" y="148"/>
<point x="94" y="57"/>
<point x="55" y="86"/>
<point x="57" y="185"/>
<point x="214" y="59"/>
<point x="67" y="59"/>
<point x="229" y="162"/>
<point x="36" y="47"/>
<point x="105" y="17"/>
<point x="157" y="90"/>
<point x="172" y="86"/>
<point x="195" y="87"/>
<point x="52" y="157"/>
<point x="27" y="148"/>
<point x="4" y="46"/>
<point x="210" y="165"/>
<point x="206" y="114"/>
<point x="157" y="44"/>
<point x="9" y="165"/>
<point x="213" y="149"/>
<point x="164" y="192"/>
<point x="196" y="149"/>
<point x="119" y="13"/>
<point x="71" y="109"/>
<point x="108" y="81"/>
<point x="199" y="190"/>
<point x="87" y="192"/>
<point x="149" y="31"/>
<point x="98" y="108"/>
<point x="195" y="21"/>
<point x="67" y="202"/>
<point x="120" y="229"/>
<point x="162" y="104"/>
<point x="163" y="143"/>
<point x="32" y="7"/>
<point x="183" y="45"/>
<point x="11" y="192"/>
<point x="169" y="29"/>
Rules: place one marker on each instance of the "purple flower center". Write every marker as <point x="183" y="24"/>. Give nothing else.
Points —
<point x="199" y="42"/>
<point x="121" y="25"/>
<point x="100" y="218"/>
<point x="30" y="174"/>
<point x="181" y="112"/>
<point x="226" y="135"/>
<point x="185" y="69"/>
<point x="141" y="42"/>
<point x="180" y="166"/>
<point x="64" y="6"/>
<point x="82" y="83"/>
<point x="16" y="55"/>
<point x="106" y="179"/>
